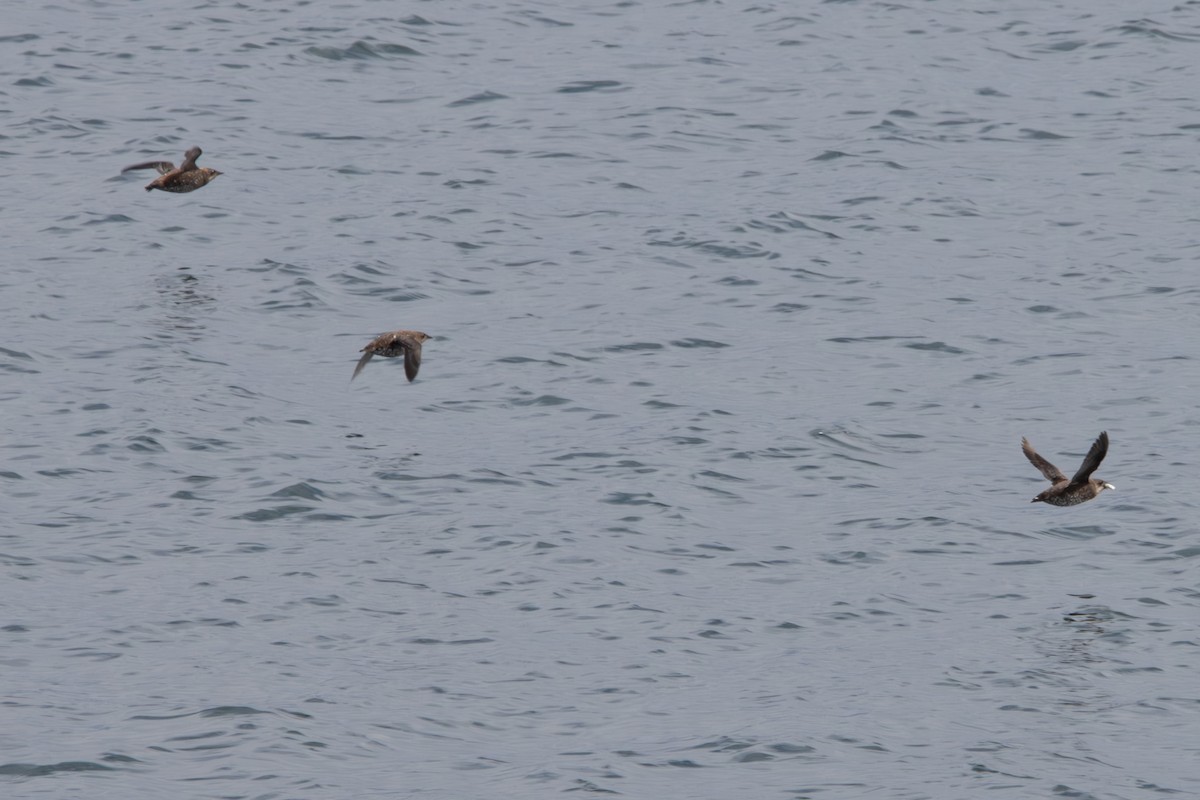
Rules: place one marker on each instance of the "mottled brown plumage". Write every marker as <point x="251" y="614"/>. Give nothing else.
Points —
<point x="187" y="177"/>
<point x="392" y="344"/>
<point x="1081" y="487"/>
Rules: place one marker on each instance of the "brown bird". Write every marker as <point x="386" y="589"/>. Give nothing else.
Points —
<point x="187" y="177"/>
<point x="1082" y="486"/>
<point x="392" y="344"/>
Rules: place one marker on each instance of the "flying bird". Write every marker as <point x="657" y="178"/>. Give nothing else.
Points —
<point x="187" y="177"/>
<point x="392" y="344"/>
<point x="1081" y="487"/>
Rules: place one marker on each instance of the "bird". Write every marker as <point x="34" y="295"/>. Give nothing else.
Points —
<point x="1082" y="486"/>
<point x="187" y="177"/>
<point x="392" y="344"/>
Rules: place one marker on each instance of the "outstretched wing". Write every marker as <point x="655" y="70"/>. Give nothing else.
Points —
<point x="1051" y="472"/>
<point x="163" y="167"/>
<point x="412" y="357"/>
<point x="1092" y="459"/>
<point x="362" y="362"/>
<point x="189" y="159"/>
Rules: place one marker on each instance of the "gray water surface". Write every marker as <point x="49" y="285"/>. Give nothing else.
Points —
<point x="710" y="485"/>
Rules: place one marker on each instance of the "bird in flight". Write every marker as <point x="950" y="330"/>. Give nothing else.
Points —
<point x="1081" y="487"/>
<point x="392" y="344"/>
<point x="187" y="177"/>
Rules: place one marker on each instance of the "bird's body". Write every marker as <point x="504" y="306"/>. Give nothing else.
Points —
<point x="1081" y="487"/>
<point x="392" y="344"/>
<point x="187" y="177"/>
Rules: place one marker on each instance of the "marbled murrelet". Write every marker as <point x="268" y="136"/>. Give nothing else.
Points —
<point x="1082" y="486"/>
<point x="392" y="344"/>
<point x="187" y="177"/>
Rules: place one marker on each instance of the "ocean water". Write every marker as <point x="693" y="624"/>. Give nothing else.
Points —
<point x="710" y="485"/>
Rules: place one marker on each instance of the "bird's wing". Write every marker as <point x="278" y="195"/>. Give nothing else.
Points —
<point x="1092" y="459"/>
<point x="189" y="159"/>
<point x="412" y="357"/>
<point x="163" y="167"/>
<point x="1051" y="472"/>
<point x="362" y="362"/>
